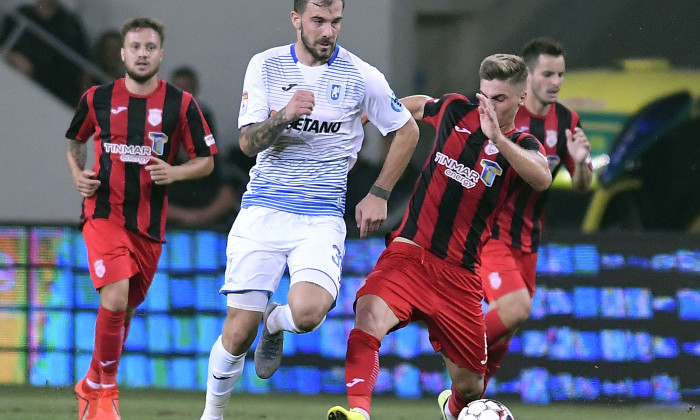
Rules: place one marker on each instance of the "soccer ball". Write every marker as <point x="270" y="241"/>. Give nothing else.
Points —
<point x="485" y="410"/>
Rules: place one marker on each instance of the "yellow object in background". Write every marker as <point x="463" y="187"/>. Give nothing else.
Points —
<point x="606" y="98"/>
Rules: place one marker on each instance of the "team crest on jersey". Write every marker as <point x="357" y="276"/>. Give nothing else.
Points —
<point x="335" y="92"/>
<point x="155" y="116"/>
<point x="159" y="140"/>
<point x="550" y="138"/>
<point x="490" y="172"/>
<point x="553" y="161"/>
<point x="490" y="148"/>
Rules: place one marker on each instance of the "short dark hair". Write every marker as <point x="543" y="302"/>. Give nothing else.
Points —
<point x="188" y="72"/>
<point x="300" y="5"/>
<point x="104" y="38"/>
<point x="505" y="67"/>
<point x="143" y="22"/>
<point x="542" y="45"/>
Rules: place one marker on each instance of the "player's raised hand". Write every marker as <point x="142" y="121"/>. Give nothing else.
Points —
<point x="85" y="183"/>
<point x="302" y="103"/>
<point x="577" y="144"/>
<point x="162" y="173"/>
<point x="370" y="213"/>
<point x="488" y="118"/>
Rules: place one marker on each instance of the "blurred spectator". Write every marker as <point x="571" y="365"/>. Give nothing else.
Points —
<point x="207" y="202"/>
<point x="187" y="79"/>
<point x="210" y="202"/>
<point x="34" y="57"/>
<point x="107" y="53"/>
<point x="237" y="168"/>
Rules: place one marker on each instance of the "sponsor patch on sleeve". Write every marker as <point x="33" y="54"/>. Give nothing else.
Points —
<point x="209" y="140"/>
<point x="396" y="104"/>
<point x="244" y="103"/>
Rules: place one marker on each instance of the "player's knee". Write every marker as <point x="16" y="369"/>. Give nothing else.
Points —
<point x="115" y="296"/>
<point x="470" y="387"/>
<point x="308" y="318"/>
<point x="367" y="320"/>
<point x="522" y="312"/>
<point x="374" y="316"/>
<point x="516" y="313"/>
<point x="114" y="302"/>
<point x="237" y="337"/>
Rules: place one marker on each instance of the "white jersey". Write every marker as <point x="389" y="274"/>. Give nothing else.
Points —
<point x="305" y="170"/>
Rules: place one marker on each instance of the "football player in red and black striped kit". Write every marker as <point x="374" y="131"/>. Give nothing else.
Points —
<point x="509" y="258"/>
<point x="427" y="271"/>
<point x="137" y="123"/>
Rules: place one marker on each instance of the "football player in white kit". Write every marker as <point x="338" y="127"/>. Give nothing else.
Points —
<point x="301" y="114"/>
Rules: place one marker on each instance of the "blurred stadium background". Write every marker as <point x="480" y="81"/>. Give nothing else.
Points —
<point x="616" y="316"/>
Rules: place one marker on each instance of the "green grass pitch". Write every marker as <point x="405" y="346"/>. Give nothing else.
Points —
<point x="32" y="403"/>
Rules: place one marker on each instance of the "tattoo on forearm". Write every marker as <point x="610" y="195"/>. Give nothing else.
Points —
<point x="263" y="134"/>
<point x="78" y="151"/>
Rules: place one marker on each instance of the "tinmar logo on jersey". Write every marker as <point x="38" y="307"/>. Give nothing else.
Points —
<point x="457" y="171"/>
<point x="129" y="153"/>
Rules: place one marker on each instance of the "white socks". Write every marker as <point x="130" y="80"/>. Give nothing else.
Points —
<point x="448" y="416"/>
<point x="224" y="371"/>
<point x="281" y="319"/>
<point x="361" y="411"/>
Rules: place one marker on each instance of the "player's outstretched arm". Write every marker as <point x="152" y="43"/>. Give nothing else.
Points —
<point x="371" y="212"/>
<point x="416" y="105"/>
<point x="257" y="137"/>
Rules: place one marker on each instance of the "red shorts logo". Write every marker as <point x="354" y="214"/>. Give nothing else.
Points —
<point x="495" y="280"/>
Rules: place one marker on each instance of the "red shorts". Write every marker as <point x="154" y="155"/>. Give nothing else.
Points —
<point x="505" y="269"/>
<point x="116" y="254"/>
<point x="417" y="285"/>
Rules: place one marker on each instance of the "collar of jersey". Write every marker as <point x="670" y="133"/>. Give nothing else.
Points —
<point x="296" y="60"/>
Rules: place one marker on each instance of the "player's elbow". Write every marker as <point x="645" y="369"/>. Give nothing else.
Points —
<point x="246" y="147"/>
<point x="542" y="181"/>
<point x="582" y="186"/>
<point x="409" y="133"/>
<point x="208" y="166"/>
<point x="244" y="143"/>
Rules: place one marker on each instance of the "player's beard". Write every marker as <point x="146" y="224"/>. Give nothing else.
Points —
<point x="142" y="78"/>
<point x="317" y="55"/>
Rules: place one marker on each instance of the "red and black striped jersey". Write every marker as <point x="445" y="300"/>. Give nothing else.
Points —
<point x="462" y="185"/>
<point x="520" y="222"/>
<point x="128" y="129"/>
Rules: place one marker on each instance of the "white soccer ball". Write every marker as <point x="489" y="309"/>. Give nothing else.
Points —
<point x="485" y="410"/>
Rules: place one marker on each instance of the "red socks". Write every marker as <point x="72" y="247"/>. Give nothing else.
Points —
<point x="361" y="368"/>
<point x="125" y="333"/>
<point x="497" y="349"/>
<point x="497" y="352"/>
<point x="456" y="402"/>
<point x="109" y="336"/>
<point x="495" y="329"/>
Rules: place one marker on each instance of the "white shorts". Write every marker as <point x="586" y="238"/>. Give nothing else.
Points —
<point x="263" y="242"/>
